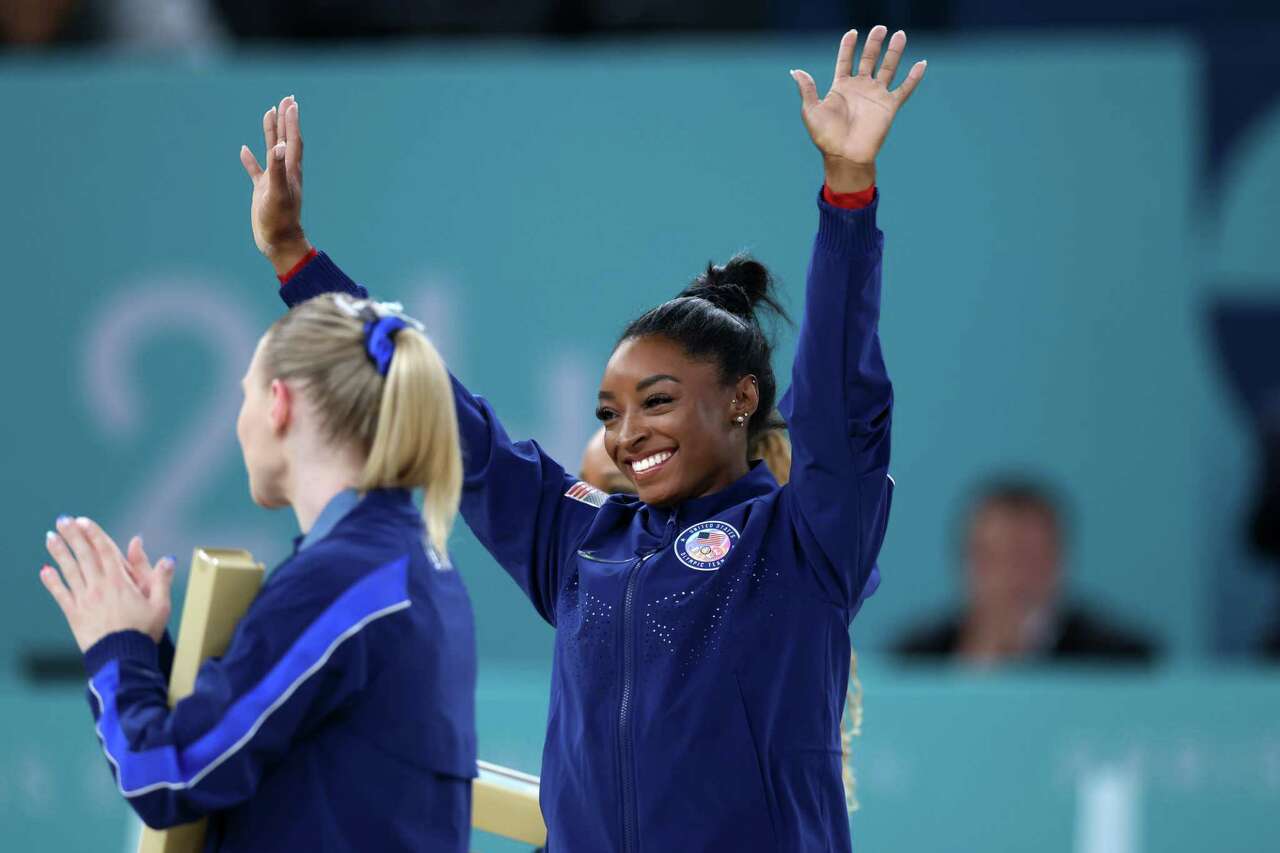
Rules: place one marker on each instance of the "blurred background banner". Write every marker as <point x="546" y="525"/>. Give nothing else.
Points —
<point x="1064" y="210"/>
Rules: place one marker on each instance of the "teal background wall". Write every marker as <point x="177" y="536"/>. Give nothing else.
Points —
<point x="1049" y="253"/>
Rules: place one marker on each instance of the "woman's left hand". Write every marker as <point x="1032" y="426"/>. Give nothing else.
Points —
<point x="850" y="124"/>
<point x="100" y="591"/>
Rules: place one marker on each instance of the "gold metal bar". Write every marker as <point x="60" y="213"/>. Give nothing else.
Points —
<point x="221" y="586"/>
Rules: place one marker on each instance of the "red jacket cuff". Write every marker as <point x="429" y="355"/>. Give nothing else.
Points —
<point x="849" y="201"/>
<point x="306" y="259"/>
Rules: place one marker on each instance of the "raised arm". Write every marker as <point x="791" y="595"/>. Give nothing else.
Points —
<point x="840" y="403"/>
<point x="520" y="503"/>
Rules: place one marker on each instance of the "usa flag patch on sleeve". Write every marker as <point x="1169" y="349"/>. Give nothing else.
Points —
<point x="587" y="494"/>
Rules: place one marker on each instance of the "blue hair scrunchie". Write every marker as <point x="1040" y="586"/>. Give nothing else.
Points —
<point x="379" y="340"/>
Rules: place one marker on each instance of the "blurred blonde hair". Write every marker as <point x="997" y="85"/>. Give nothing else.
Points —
<point x="774" y="448"/>
<point x="404" y="422"/>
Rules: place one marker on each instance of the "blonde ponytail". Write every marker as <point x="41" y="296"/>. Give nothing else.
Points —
<point x="851" y="727"/>
<point x="403" y="422"/>
<point x="774" y="448"/>
<point x="416" y="441"/>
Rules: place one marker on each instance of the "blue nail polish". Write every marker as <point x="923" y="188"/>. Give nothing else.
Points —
<point x="61" y="519"/>
<point x="171" y="559"/>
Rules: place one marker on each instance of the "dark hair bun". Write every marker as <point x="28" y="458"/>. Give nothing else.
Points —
<point x="737" y="287"/>
<point x="717" y="319"/>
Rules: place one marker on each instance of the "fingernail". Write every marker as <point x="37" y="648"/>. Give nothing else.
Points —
<point x="172" y="560"/>
<point x="62" y="519"/>
<point x="82" y="521"/>
<point x="49" y="536"/>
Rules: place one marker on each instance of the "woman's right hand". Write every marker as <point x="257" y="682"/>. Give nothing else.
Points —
<point x="276" y="212"/>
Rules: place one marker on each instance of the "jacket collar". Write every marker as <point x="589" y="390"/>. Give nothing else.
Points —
<point x="756" y="483"/>
<point x="345" y="502"/>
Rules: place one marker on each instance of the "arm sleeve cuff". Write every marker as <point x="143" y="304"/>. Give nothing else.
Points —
<point x="849" y="201"/>
<point x="296" y="268"/>
<point x="317" y="276"/>
<point x="844" y="230"/>
<point x="122" y="645"/>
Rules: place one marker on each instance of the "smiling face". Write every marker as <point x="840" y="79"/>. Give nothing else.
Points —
<point x="669" y="421"/>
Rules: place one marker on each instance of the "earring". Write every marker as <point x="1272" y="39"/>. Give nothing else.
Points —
<point x="740" y="420"/>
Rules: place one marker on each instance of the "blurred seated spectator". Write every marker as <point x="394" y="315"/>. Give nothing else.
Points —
<point x="165" y="25"/>
<point x="1015" y="610"/>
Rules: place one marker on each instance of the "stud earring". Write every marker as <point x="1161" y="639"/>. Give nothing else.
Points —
<point x="740" y="420"/>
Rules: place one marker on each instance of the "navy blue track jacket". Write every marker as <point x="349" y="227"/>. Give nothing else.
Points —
<point x="702" y="650"/>
<point x="341" y="718"/>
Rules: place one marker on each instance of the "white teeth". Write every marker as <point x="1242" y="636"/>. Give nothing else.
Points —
<point x="641" y="465"/>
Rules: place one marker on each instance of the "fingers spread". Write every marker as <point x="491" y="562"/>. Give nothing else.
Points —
<point x="293" y="140"/>
<point x="808" y="89"/>
<point x="139" y="565"/>
<point x="914" y="76"/>
<point x="871" y="50"/>
<point x="844" y="57"/>
<point x="250" y="163"/>
<point x="61" y="554"/>
<point x="269" y="130"/>
<point x="61" y="595"/>
<point x="110" y="560"/>
<point x="86" y="557"/>
<point x="281" y="130"/>
<point x="275" y="166"/>
<point x="163" y="580"/>
<point x="889" y="67"/>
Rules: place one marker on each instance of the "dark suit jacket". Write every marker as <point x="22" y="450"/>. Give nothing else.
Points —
<point x="1080" y="636"/>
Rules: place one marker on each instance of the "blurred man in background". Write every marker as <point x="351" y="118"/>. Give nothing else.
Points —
<point x="1015" y="612"/>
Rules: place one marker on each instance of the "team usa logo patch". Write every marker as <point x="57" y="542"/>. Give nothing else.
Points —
<point x="704" y="547"/>
<point x="587" y="494"/>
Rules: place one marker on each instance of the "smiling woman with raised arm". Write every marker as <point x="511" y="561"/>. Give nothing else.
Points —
<point x="702" y="645"/>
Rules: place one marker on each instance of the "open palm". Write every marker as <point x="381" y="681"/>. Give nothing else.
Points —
<point x="276" y="208"/>
<point x="852" y="121"/>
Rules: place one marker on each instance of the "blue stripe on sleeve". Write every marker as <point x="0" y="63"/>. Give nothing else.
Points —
<point x="138" y="772"/>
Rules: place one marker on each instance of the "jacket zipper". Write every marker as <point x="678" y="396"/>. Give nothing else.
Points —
<point x="627" y="757"/>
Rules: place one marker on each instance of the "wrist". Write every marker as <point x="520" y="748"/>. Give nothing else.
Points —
<point x="127" y="644"/>
<point x="845" y="176"/>
<point x="286" y="254"/>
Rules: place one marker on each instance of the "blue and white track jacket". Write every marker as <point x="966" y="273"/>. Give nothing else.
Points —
<point x="702" y="650"/>
<point x="341" y="718"/>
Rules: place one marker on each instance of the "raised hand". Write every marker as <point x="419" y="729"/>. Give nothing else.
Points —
<point x="100" y="591"/>
<point x="850" y="124"/>
<point x="276" y="211"/>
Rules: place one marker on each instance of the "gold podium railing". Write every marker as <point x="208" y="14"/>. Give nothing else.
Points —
<point x="504" y="802"/>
